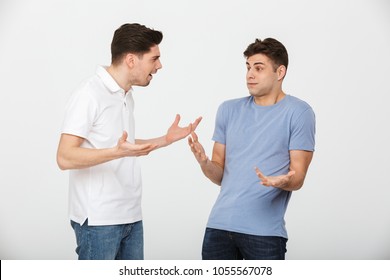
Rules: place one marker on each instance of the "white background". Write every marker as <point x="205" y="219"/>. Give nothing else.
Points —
<point x="339" y="64"/>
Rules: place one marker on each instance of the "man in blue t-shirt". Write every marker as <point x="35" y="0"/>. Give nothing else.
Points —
<point x="263" y="147"/>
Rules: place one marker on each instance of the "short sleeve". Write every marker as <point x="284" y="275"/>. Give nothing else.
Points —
<point x="220" y="126"/>
<point x="80" y="114"/>
<point x="303" y="130"/>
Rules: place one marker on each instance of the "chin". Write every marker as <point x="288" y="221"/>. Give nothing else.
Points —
<point x="145" y="84"/>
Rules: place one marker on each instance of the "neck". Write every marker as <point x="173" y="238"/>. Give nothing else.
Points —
<point x="119" y="75"/>
<point x="269" y="99"/>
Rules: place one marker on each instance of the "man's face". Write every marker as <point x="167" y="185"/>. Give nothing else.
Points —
<point x="146" y="66"/>
<point x="261" y="78"/>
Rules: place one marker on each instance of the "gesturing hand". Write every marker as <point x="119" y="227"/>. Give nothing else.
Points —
<point x="128" y="149"/>
<point x="176" y="133"/>
<point x="197" y="149"/>
<point x="280" y="181"/>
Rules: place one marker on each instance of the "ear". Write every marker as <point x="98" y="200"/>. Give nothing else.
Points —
<point x="281" y="71"/>
<point x="130" y="60"/>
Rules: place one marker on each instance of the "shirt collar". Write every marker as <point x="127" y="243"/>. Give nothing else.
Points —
<point x="109" y="81"/>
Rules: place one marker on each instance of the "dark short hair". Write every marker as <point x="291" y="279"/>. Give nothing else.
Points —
<point x="271" y="48"/>
<point x="133" y="38"/>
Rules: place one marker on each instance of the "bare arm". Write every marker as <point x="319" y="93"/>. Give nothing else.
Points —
<point x="174" y="133"/>
<point x="299" y="164"/>
<point x="212" y="169"/>
<point x="70" y="154"/>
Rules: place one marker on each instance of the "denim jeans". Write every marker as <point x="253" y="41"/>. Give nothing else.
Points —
<point x="116" y="242"/>
<point x="226" y="245"/>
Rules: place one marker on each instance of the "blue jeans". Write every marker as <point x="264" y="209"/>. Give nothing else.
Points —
<point x="117" y="242"/>
<point x="226" y="245"/>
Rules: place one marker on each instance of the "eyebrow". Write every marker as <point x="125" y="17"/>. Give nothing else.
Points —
<point x="256" y="63"/>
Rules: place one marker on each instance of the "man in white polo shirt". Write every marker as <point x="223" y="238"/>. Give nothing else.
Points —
<point x="99" y="148"/>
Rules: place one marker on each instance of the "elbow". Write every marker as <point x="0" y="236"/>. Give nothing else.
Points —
<point x="62" y="163"/>
<point x="297" y="187"/>
<point x="217" y="181"/>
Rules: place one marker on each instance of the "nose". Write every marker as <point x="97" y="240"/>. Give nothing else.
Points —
<point x="249" y="74"/>
<point x="159" y="65"/>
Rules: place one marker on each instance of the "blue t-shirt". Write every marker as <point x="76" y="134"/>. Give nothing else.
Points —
<point x="259" y="136"/>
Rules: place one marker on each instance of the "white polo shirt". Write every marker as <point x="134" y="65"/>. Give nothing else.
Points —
<point x="109" y="193"/>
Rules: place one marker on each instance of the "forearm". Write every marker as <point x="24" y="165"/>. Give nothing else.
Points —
<point x="159" y="141"/>
<point x="78" y="157"/>
<point x="295" y="183"/>
<point x="299" y="164"/>
<point x="212" y="171"/>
